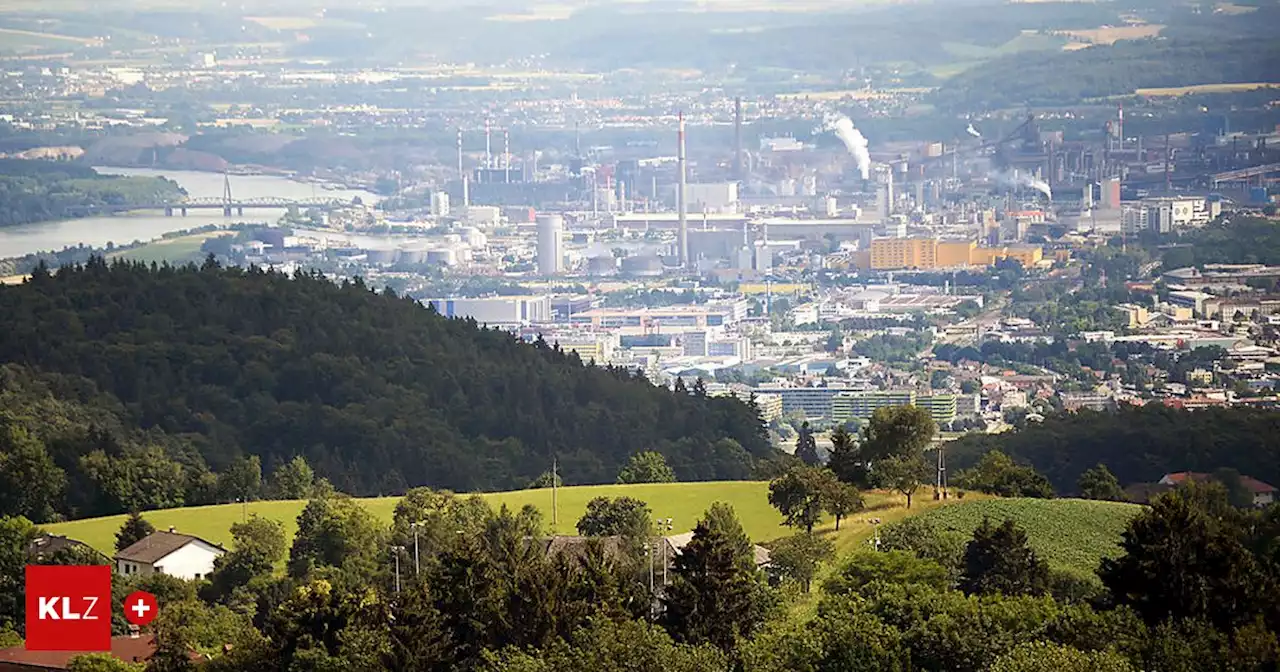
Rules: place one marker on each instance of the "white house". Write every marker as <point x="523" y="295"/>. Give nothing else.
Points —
<point x="180" y="555"/>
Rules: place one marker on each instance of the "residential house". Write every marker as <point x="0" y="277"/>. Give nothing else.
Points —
<point x="128" y="648"/>
<point x="1263" y="493"/>
<point x="180" y="555"/>
<point x="46" y="547"/>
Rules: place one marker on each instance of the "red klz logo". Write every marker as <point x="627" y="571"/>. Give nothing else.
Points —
<point x="68" y="608"/>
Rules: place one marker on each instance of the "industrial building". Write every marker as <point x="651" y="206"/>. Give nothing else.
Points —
<point x="929" y="253"/>
<point x="496" y="310"/>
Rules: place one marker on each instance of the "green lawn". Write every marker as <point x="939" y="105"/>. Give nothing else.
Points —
<point x="683" y="502"/>
<point x="175" y="251"/>
<point x="1072" y="534"/>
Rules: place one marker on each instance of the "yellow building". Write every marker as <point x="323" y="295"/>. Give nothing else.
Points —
<point x="955" y="253"/>
<point x="887" y="253"/>
<point x="1027" y="255"/>
<point x="928" y="253"/>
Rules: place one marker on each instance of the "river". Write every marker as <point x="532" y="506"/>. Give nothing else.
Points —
<point x="16" y="241"/>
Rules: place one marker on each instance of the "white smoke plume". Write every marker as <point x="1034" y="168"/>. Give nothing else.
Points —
<point x="853" y="141"/>
<point x="973" y="131"/>
<point x="1014" y="178"/>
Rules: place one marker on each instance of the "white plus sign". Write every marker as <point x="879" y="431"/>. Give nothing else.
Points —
<point x="141" y="608"/>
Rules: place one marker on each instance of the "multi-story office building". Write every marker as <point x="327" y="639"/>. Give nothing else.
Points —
<point x="848" y="406"/>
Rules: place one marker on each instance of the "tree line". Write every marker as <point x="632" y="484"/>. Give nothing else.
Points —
<point x="143" y="387"/>
<point x="451" y="584"/>
<point x="37" y="191"/>
<point x="1138" y="444"/>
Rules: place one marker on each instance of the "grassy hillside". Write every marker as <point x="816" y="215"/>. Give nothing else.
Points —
<point x="1071" y="534"/>
<point x="684" y="503"/>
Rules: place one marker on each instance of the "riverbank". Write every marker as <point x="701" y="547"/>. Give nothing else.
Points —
<point x="126" y="229"/>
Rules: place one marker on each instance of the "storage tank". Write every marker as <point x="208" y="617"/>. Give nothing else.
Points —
<point x="413" y="253"/>
<point x="644" y="265"/>
<point x="473" y="237"/>
<point x="445" y="256"/>
<point x="382" y="255"/>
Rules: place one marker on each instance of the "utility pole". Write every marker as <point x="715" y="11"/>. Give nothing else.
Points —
<point x="395" y="551"/>
<point x="555" y="509"/>
<point x="416" y="566"/>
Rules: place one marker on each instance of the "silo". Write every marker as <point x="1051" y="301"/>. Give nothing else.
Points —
<point x="550" y="244"/>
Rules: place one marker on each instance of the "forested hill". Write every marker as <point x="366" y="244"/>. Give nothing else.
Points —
<point x="377" y="392"/>
<point x="1138" y="444"/>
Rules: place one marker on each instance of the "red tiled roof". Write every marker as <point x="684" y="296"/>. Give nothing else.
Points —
<point x="1255" y="486"/>
<point x="126" y="648"/>
<point x="1251" y="484"/>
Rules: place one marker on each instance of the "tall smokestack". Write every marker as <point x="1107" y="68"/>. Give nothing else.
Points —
<point x="681" y="206"/>
<point x="506" y="155"/>
<point x="737" y="138"/>
<point x="488" y="147"/>
<point x="461" y="170"/>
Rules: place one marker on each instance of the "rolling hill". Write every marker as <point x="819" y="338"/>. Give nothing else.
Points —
<point x="190" y="372"/>
<point x="684" y="503"/>
<point x="1071" y="534"/>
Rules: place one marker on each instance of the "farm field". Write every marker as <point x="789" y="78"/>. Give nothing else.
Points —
<point x="1071" y="534"/>
<point x="175" y="251"/>
<point x="1113" y="34"/>
<point x="1207" y="88"/>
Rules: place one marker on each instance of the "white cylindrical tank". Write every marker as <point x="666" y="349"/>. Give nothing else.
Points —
<point x="550" y="244"/>
<point x="445" y="256"/>
<point x="413" y="253"/>
<point x="473" y="237"/>
<point x="382" y="255"/>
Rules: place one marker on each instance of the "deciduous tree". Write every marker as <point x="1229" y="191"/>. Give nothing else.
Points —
<point x="799" y="495"/>
<point x="294" y="479"/>
<point x="647" y="467"/>
<point x="798" y="557"/>
<point x="902" y="474"/>
<point x="1099" y="483"/>
<point x="840" y="500"/>
<point x="622" y="516"/>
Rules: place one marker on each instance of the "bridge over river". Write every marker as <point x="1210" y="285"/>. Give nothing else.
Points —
<point x="227" y="206"/>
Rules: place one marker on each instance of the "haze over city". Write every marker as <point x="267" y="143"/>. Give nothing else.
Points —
<point x="650" y="335"/>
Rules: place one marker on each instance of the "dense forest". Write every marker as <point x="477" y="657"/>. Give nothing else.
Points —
<point x="1139" y="445"/>
<point x="206" y="366"/>
<point x="1050" y="77"/>
<point x="37" y="191"/>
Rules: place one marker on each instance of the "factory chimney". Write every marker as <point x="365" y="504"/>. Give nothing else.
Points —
<point x="737" y="138"/>
<point x="461" y="170"/>
<point x="682" y="207"/>
<point x="488" y="150"/>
